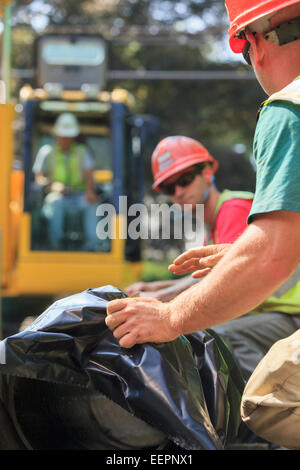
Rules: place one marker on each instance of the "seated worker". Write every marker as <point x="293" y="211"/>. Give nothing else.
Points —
<point x="65" y="170"/>
<point x="188" y="179"/>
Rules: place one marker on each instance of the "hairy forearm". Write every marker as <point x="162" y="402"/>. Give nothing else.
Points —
<point x="180" y="285"/>
<point x="166" y="294"/>
<point x="250" y="271"/>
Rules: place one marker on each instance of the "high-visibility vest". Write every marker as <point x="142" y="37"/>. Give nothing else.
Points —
<point x="226" y="195"/>
<point x="290" y="93"/>
<point x="67" y="169"/>
<point x="286" y="298"/>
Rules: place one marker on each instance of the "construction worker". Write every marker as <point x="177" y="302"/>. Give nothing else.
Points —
<point x="188" y="179"/>
<point x="267" y="254"/>
<point x="183" y="169"/>
<point x="65" y="170"/>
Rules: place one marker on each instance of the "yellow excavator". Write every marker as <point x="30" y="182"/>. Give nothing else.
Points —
<point x="70" y="77"/>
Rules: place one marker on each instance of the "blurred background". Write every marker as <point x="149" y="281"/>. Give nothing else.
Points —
<point x="172" y="56"/>
<point x="173" y="59"/>
<point x="211" y="93"/>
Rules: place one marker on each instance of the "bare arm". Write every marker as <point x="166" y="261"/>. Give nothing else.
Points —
<point x="161" y="290"/>
<point x="262" y="259"/>
<point x="168" y="293"/>
<point x="256" y="265"/>
<point x="151" y="286"/>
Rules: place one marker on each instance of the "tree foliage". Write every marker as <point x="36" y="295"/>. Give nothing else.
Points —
<point x="160" y="35"/>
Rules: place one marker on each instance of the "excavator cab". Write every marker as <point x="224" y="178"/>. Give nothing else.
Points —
<point x="95" y="136"/>
<point x="71" y="78"/>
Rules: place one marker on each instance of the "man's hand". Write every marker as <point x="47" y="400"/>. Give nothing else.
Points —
<point x="140" y="320"/>
<point x="57" y="187"/>
<point x="199" y="261"/>
<point x="42" y="180"/>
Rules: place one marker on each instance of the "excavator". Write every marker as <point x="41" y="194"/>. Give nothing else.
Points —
<point x="70" y="76"/>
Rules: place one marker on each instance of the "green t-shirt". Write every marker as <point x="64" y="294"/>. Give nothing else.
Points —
<point x="277" y="154"/>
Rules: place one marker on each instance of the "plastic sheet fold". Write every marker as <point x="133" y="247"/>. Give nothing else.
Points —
<point x="187" y="391"/>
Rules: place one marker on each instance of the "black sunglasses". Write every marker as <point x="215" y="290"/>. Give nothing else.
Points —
<point x="246" y="53"/>
<point x="183" y="180"/>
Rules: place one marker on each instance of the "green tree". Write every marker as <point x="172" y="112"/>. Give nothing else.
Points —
<point x="160" y="35"/>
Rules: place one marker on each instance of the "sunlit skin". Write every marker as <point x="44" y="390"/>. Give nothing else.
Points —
<point x="199" y="261"/>
<point x="264" y="256"/>
<point x="247" y="274"/>
<point x="268" y="58"/>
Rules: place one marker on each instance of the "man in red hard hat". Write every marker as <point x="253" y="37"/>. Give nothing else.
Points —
<point x="268" y="251"/>
<point x="176" y="154"/>
<point x="183" y="169"/>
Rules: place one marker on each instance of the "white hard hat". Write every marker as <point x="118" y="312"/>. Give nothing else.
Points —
<point x="66" y="125"/>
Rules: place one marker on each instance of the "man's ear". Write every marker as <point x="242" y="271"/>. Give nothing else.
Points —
<point x="257" y="52"/>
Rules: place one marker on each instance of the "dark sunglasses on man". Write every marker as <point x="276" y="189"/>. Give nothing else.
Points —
<point x="282" y="34"/>
<point x="183" y="180"/>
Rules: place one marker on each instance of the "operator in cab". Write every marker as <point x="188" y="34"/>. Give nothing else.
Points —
<point x="65" y="171"/>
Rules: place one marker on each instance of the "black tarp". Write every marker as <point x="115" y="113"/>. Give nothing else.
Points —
<point x="189" y="390"/>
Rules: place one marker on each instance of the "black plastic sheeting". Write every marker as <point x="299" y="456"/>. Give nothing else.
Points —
<point x="187" y="391"/>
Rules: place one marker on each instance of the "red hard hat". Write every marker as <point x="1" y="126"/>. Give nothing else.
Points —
<point x="176" y="153"/>
<point x="241" y="13"/>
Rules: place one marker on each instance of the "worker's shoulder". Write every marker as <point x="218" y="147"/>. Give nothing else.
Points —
<point x="237" y="204"/>
<point x="283" y="100"/>
<point x="231" y="195"/>
<point x="229" y="199"/>
<point x="290" y="93"/>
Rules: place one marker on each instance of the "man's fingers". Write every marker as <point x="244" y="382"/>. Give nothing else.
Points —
<point x="129" y="340"/>
<point x="121" y="330"/>
<point x="115" y="305"/>
<point x="202" y="252"/>
<point x="186" y="266"/>
<point x="201" y="273"/>
<point x="192" y="253"/>
<point x="120" y="308"/>
<point x="136" y="287"/>
<point x="126" y="334"/>
<point x="113" y="321"/>
<point x="193" y="264"/>
<point x="210" y="261"/>
<point x="140" y="320"/>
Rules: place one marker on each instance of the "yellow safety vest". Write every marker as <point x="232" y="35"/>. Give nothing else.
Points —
<point x="290" y="93"/>
<point x="226" y="195"/>
<point x="67" y="169"/>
